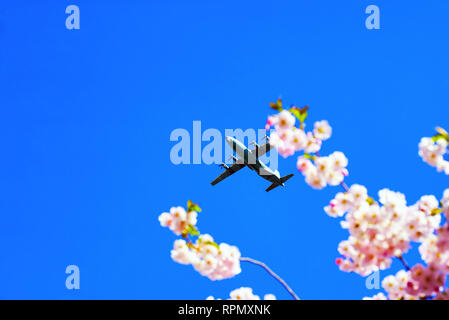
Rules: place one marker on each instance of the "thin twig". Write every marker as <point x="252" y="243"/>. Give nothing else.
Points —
<point x="274" y="275"/>
<point x="404" y="263"/>
<point x="343" y="184"/>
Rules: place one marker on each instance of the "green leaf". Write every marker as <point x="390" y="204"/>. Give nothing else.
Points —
<point x="295" y="111"/>
<point x="437" y="137"/>
<point x="303" y="117"/>
<point x="276" y="105"/>
<point x="196" y="208"/>
<point x="299" y="113"/>
<point x="309" y="156"/>
<point x="212" y="244"/>
<point x="304" y="109"/>
<point x="192" y="206"/>
<point x="192" y="230"/>
<point x="442" y="134"/>
<point x="303" y="112"/>
<point x="436" y="211"/>
<point x="370" y="201"/>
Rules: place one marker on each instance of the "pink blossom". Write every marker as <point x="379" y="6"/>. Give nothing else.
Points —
<point x="432" y="153"/>
<point x="178" y="219"/>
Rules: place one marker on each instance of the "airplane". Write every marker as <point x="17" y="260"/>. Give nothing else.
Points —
<point x="250" y="158"/>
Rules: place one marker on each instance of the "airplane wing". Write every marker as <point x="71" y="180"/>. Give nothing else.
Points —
<point x="230" y="171"/>
<point x="261" y="150"/>
<point x="273" y="185"/>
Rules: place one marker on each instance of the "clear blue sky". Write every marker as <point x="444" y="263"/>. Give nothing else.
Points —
<point x="86" y="117"/>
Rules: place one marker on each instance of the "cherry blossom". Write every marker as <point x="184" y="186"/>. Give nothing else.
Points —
<point x="432" y="150"/>
<point x="380" y="231"/>
<point x="322" y="130"/>
<point x="396" y="286"/>
<point x="313" y="144"/>
<point x="214" y="262"/>
<point x="207" y="257"/>
<point x="435" y="249"/>
<point x="323" y="171"/>
<point x="178" y="219"/>
<point x="419" y="282"/>
<point x="318" y="171"/>
<point x="425" y="281"/>
<point x="285" y="120"/>
<point x="181" y="253"/>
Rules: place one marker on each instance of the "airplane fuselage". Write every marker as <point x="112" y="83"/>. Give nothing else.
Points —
<point x="251" y="161"/>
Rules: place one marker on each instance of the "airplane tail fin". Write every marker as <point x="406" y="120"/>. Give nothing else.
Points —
<point x="285" y="178"/>
<point x="273" y="185"/>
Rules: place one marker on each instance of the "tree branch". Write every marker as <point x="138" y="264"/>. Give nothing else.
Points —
<point x="343" y="184"/>
<point x="404" y="263"/>
<point x="274" y="275"/>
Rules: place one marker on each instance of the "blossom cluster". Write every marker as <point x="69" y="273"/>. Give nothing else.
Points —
<point x="435" y="249"/>
<point x="245" y="293"/>
<point x="323" y="171"/>
<point x="178" y="219"/>
<point x="380" y="231"/>
<point x="288" y="139"/>
<point x="319" y="171"/>
<point x="214" y="261"/>
<point x="418" y="283"/>
<point x="432" y="150"/>
<point x="207" y="257"/>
